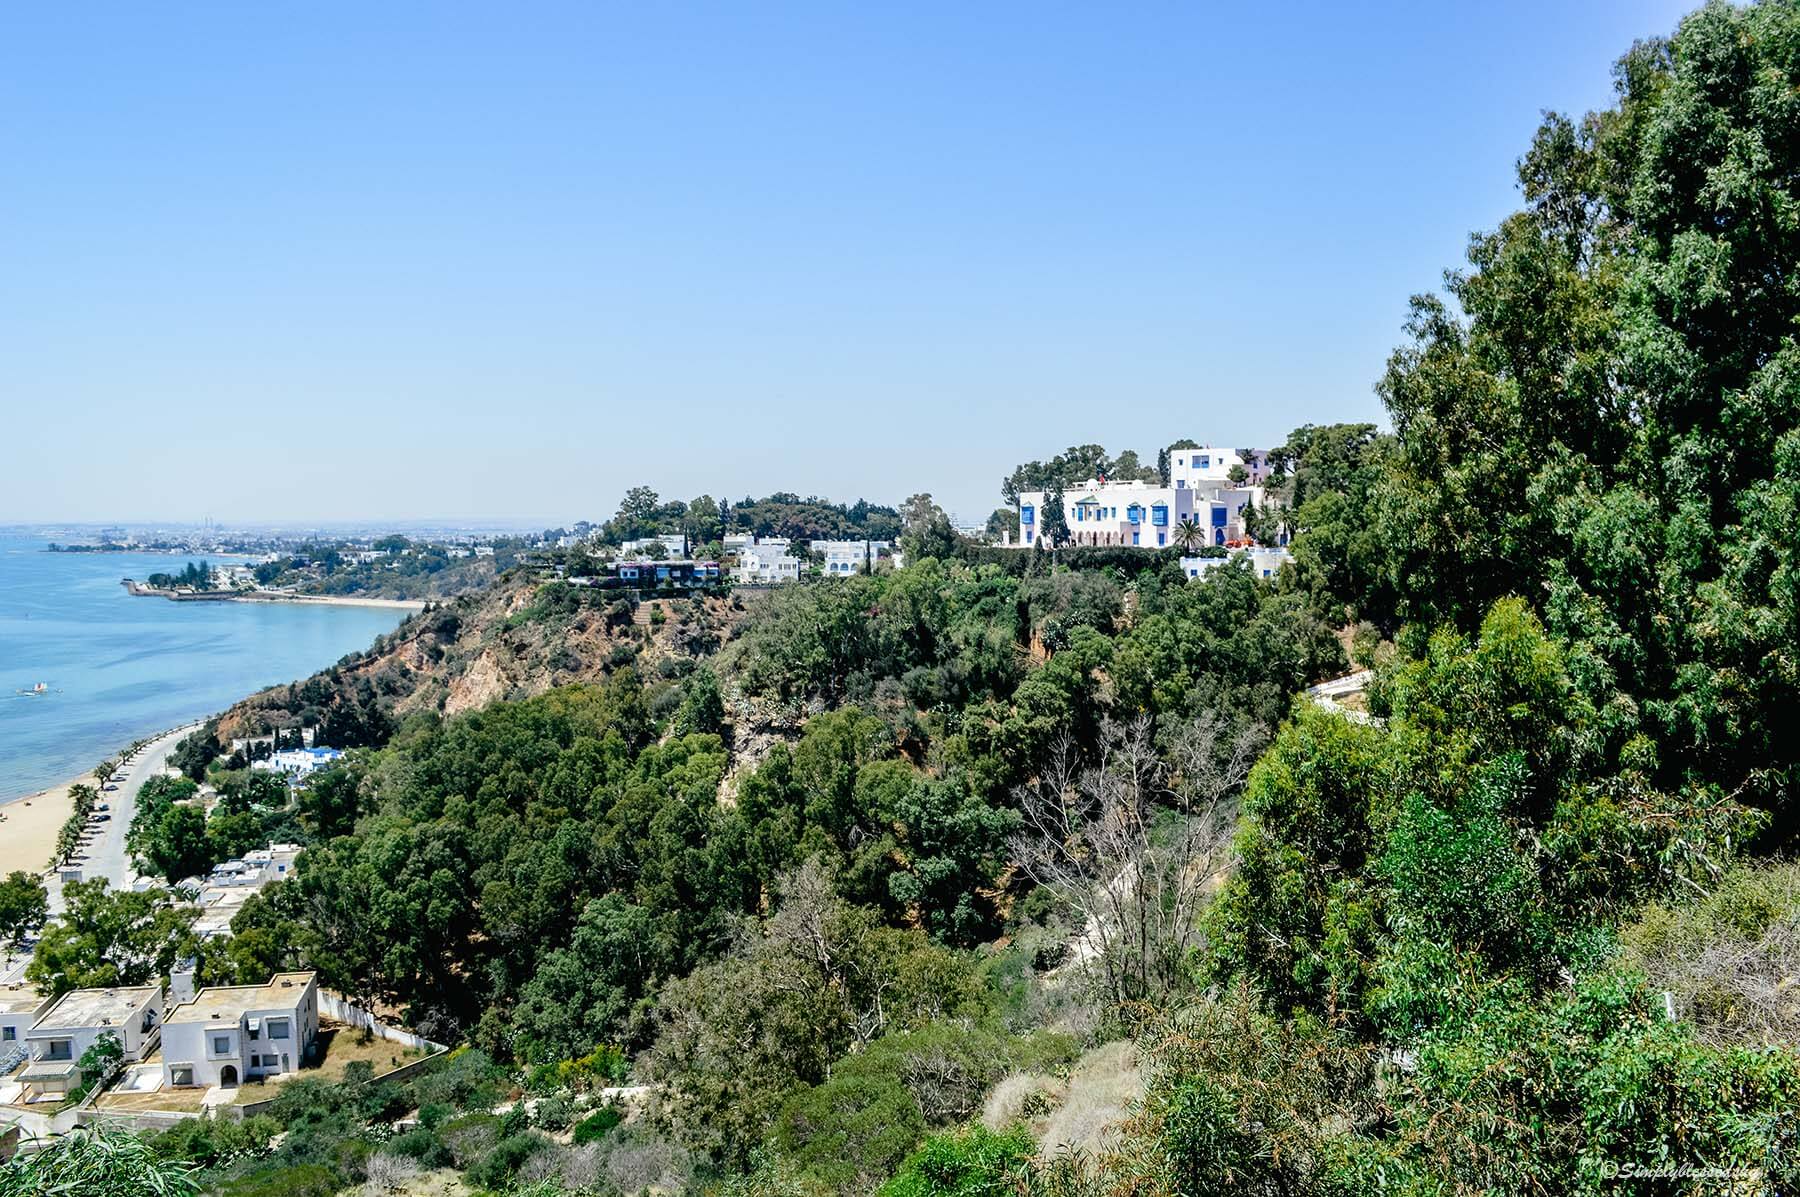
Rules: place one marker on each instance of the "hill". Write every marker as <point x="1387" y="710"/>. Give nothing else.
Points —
<point x="519" y="638"/>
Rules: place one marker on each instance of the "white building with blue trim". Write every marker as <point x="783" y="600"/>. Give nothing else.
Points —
<point x="298" y="762"/>
<point x="1144" y="515"/>
<point x="1265" y="562"/>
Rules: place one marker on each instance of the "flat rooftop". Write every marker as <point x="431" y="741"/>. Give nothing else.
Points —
<point x="228" y="1003"/>
<point x="15" y="999"/>
<point x="99" y="1007"/>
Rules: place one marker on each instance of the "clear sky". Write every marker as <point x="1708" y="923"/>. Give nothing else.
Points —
<point x="373" y="260"/>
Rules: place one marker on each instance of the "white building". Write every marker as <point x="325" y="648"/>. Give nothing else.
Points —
<point x="75" y="1022"/>
<point x="672" y="545"/>
<point x="765" y="561"/>
<point x="20" y="1006"/>
<point x="297" y="762"/>
<point x="1115" y="513"/>
<point x="1207" y="468"/>
<point x="841" y="558"/>
<point x="256" y="868"/>
<point x="1265" y="561"/>
<point x="228" y="1034"/>
<point x="1143" y="514"/>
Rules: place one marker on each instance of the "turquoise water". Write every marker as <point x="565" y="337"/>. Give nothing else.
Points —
<point x="120" y="668"/>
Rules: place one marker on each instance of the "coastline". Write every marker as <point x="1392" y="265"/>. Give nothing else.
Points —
<point x="29" y="824"/>
<point x="28" y="828"/>
<point x="332" y="600"/>
<point x="138" y="590"/>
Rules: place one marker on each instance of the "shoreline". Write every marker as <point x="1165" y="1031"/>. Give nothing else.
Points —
<point x="29" y="823"/>
<point x="138" y="590"/>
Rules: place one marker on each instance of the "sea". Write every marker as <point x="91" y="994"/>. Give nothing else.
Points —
<point x="120" y="668"/>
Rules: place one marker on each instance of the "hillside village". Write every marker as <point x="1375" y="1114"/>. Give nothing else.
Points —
<point x="1205" y="500"/>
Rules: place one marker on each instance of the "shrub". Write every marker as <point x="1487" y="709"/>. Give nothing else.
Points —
<point x="297" y="1180"/>
<point x="470" y="1136"/>
<point x="388" y="1172"/>
<point x="553" y="1113"/>
<point x="976" y="1162"/>
<point x="422" y="1145"/>
<point x="596" y="1125"/>
<point x="499" y="1165"/>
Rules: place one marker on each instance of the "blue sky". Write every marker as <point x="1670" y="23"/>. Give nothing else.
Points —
<point x="320" y="261"/>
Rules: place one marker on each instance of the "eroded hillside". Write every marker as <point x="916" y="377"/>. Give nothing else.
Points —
<point x="519" y="638"/>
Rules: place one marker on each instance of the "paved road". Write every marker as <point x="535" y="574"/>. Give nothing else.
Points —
<point x="106" y="855"/>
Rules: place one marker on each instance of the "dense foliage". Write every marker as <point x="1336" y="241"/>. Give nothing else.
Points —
<point x="856" y="894"/>
<point x="705" y="521"/>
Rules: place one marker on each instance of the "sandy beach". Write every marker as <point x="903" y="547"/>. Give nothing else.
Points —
<point x="334" y="600"/>
<point x="28" y="828"/>
<point x="276" y="596"/>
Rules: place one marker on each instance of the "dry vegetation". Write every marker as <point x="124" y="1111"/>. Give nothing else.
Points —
<point x="1730" y="962"/>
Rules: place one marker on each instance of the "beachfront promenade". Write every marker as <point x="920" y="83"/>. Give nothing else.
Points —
<point x="106" y="856"/>
<point x="106" y="853"/>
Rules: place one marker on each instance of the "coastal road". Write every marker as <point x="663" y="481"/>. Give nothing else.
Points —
<point x="106" y="855"/>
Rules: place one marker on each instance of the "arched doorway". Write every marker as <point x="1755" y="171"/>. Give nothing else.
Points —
<point x="228" y="1076"/>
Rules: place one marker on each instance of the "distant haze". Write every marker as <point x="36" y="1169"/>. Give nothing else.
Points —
<point x="352" y="261"/>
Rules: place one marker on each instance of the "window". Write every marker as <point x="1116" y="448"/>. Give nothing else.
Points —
<point x="1218" y="514"/>
<point x="1159" y="515"/>
<point x="1134" y="536"/>
<point x="1027" y="514"/>
<point x="221" y="1045"/>
<point x="60" y="1049"/>
<point x="1134" y="513"/>
<point x="8" y="1034"/>
<point x="181" y="1076"/>
<point x="1203" y="462"/>
<point x="1162" y="538"/>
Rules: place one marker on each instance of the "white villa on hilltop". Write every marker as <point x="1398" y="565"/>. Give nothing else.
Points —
<point x="1201" y="491"/>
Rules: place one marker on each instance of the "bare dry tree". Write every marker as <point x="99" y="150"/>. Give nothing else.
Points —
<point x="1135" y="842"/>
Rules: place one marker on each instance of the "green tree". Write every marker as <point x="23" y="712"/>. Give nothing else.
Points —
<point x="176" y="846"/>
<point x="97" y="1162"/>
<point x="1052" y="521"/>
<point x="24" y="906"/>
<point x="109" y="937"/>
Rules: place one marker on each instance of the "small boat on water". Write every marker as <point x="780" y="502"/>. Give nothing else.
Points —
<point x="40" y="688"/>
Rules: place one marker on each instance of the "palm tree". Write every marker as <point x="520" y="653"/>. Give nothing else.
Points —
<point x="105" y="771"/>
<point x="83" y="798"/>
<point x="1188" y="534"/>
<point x="100" y="1160"/>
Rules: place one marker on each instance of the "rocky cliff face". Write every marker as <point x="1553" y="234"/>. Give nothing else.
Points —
<point x="518" y="638"/>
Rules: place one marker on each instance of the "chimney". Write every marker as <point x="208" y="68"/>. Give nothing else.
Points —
<point x="181" y="983"/>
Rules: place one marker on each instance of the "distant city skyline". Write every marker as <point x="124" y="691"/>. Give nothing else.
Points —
<point x="414" y="263"/>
